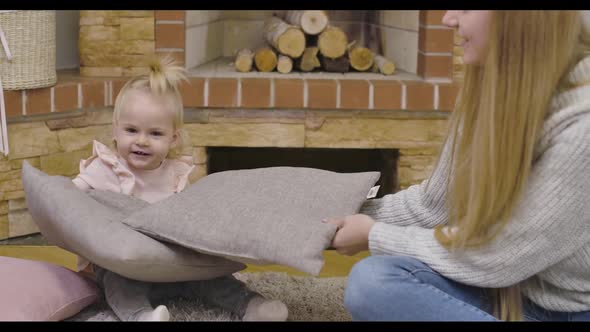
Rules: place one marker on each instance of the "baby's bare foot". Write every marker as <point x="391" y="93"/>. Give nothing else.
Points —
<point x="261" y="309"/>
<point x="160" y="314"/>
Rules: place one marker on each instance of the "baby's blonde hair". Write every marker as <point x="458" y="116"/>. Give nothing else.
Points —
<point x="162" y="81"/>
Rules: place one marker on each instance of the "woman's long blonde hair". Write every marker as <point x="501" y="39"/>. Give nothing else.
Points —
<point x="497" y="119"/>
<point x="163" y="80"/>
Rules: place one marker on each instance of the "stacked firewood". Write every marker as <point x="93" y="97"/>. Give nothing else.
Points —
<point x="304" y="40"/>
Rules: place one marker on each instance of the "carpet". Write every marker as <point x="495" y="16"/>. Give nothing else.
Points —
<point x="308" y="299"/>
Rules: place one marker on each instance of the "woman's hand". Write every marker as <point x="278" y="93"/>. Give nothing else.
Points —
<point x="352" y="236"/>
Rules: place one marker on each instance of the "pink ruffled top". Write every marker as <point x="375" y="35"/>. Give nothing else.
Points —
<point x="104" y="170"/>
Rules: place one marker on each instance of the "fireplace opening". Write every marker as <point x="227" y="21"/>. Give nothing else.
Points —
<point x="335" y="160"/>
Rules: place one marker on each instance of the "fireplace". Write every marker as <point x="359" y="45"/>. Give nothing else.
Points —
<point x="420" y="47"/>
<point x="215" y="36"/>
<point x="394" y="124"/>
<point x="410" y="38"/>
<point x="335" y="160"/>
<point x="114" y="43"/>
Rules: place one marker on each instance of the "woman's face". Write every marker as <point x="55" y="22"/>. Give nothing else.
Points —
<point x="472" y="26"/>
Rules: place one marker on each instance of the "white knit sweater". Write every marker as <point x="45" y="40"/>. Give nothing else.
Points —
<point x="546" y="244"/>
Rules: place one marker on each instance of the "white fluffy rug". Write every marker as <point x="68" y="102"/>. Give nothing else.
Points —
<point x="308" y="299"/>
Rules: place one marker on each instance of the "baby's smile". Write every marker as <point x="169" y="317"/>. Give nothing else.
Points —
<point x="140" y="153"/>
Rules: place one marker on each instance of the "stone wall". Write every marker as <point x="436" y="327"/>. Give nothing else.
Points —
<point x="57" y="145"/>
<point x="415" y="165"/>
<point x="116" y="42"/>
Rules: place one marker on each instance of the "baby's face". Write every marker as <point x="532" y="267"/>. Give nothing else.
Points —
<point x="145" y="130"/>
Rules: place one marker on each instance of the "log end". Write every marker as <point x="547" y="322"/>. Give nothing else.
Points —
<point x="243" y="65"/>
<point x="361" y="58"/>
<point x="284" y="65"/>
<point x="265" y="60"/>
<point x="332" y="42"/>
<point x="292" y="42"/>
<point x="314" y="21"/>
<point x="388" y="68"/>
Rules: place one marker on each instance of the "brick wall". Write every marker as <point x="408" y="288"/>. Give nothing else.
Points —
<point x="435" y="46"/>
<point x="457" y="59"/>
<point x="170" y="33"/>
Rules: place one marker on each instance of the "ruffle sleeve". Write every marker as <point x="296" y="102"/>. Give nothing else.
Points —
<point x="104" y="171"/>
<point x="183" y="166"/>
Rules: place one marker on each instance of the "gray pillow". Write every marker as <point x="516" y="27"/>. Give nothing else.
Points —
<point x="90" y="225"/>
<point x="261" y="216"/>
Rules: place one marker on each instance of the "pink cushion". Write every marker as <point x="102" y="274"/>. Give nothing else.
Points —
<point x="40" y="291"/>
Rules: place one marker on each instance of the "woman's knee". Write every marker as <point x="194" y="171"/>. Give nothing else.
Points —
<point x="360" y="284"/>
<point x="381" y="267"/>
<point x="369" y="277"/>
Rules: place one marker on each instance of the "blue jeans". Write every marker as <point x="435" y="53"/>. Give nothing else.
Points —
<point x="398" y="288"/>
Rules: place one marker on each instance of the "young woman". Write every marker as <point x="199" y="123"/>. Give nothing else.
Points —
<point x="501" y="229"/>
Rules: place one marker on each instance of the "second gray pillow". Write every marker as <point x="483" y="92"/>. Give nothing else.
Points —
<point x="261" y="216"/>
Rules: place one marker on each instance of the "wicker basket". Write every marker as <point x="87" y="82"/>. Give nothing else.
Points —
<point x="31" y="39"/>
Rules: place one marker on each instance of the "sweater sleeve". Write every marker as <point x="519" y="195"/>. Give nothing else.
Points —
<point x="421" y="205"/>
<point x="550" y="223"/>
